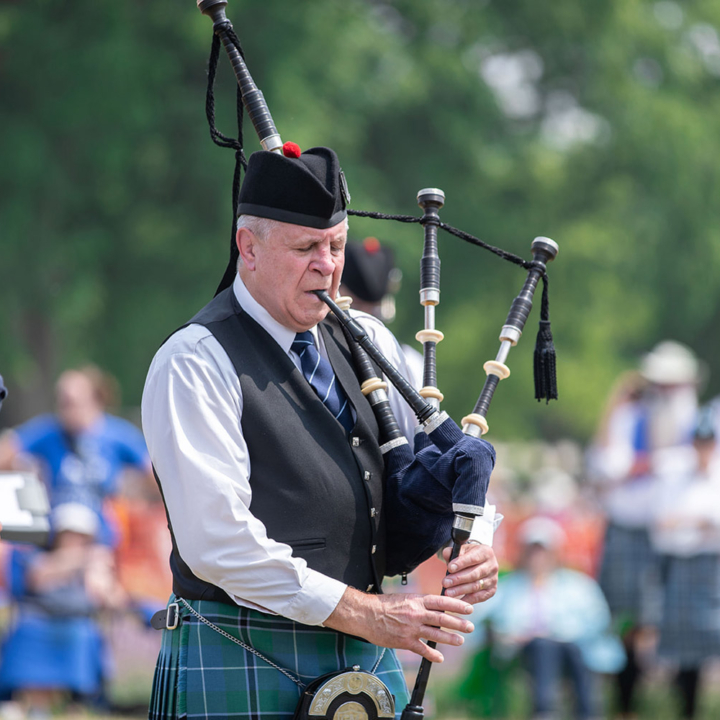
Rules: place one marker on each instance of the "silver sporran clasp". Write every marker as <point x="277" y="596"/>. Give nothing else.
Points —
<point x="349" y="695"/>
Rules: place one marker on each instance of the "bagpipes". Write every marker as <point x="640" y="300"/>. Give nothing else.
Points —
<point x="450" y="460"/>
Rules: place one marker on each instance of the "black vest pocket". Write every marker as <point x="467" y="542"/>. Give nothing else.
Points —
<point x="306" y="545"/>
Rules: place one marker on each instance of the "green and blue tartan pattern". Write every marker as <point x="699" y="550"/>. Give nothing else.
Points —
<point x="201" y="674"/>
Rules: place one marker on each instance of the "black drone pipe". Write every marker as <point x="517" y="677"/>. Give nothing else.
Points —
<point x="252" y="97"/>
<point x="375" y="390"/>
<point x="544" y="250"/>
<point x="430" y="200"/>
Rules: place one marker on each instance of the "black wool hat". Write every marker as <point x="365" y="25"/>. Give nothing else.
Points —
<point x="308" y="190"/>
<point x="367" y="269"/>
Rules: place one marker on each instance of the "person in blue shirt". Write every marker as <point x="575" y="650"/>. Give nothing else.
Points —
<point x="80" y="449"/>
<point x="53" y="646"/>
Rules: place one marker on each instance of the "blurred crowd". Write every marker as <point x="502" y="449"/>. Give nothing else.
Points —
<point x="611" y="553"/>
<point x="612" y="558"/>
<point x="105" y="556"/>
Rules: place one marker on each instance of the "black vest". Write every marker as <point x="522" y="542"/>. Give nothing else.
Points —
<point x="314" y="487"/>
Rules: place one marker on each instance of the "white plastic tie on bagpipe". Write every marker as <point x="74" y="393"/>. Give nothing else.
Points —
<point x="485" y="525"/>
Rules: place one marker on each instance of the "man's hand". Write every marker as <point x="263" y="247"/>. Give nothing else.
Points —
<point x="473" y="575"/>
<point x="400" y="620"/>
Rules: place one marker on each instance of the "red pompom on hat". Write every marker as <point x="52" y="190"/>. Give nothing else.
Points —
<point x="371" y="245"/>
<point x="291" y="150"/>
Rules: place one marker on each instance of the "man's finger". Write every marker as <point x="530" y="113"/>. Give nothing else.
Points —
<point x="431" y="654"/>
<point x="447" y="604"/>
<point x="474" y="555"/>
<point x="441" y="636"/>
<point x="475" y="598"/>
<point x="481" y="578"/>
<point x="450" y="622"/>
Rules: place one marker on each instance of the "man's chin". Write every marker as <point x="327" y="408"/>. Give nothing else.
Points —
<point x="313" y="317"/>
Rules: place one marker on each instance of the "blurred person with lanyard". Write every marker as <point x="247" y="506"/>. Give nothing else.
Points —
<point x="686" y="534"/>
<point x="647" y="430"/>
<point x="81" y="449"/>
<point x="372" y="280"/>
<point x="268" y="459"/>
<point x="54" y="646"/>
<point x="555" y="619"/>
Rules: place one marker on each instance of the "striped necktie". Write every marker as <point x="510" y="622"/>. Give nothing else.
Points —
<point x="319" y="373"/>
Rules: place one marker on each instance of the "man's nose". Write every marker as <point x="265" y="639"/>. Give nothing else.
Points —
<point x="323" y="261"/>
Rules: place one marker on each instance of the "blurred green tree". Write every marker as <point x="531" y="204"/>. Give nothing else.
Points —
<point x="592" y="124"/>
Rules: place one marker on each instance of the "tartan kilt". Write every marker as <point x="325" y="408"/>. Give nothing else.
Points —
<point x="201" y="674"/>
<point x="690" y="627"/>
<point x="629" y="574"/>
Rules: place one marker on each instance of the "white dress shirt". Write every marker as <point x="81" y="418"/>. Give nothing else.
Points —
<point x="191" y="411"/>
<point x="687" y="521"/>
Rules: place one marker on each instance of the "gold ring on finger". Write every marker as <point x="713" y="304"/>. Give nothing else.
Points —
<point x="482" y="584"/>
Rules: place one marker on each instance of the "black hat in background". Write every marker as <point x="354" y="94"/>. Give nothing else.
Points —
<point x="307" y="189"/>
<point x="367" y="269"/>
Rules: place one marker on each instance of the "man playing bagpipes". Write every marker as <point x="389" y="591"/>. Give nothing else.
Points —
<point x="269" y="459"/>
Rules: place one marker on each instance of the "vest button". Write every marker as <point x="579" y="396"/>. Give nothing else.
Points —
<point x="368" y="474"/>
<point x="356" y="442"/>
<point x="374" y="548"/>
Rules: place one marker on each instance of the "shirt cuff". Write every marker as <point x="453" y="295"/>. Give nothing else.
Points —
<point x="316" y="600"/>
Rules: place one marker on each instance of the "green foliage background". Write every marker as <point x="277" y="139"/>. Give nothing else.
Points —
<point x="115" y="205"/>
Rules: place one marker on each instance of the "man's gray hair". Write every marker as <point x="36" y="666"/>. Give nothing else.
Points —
<point x="260" y="227"/>
<point x="263" y="227"/>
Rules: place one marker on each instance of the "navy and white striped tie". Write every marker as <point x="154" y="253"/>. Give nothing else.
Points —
<point x="319" y="373"/>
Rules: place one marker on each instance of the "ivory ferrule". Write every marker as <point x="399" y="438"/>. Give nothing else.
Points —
<point x="475" y="425"/>
<point x="373" y="384"/>
<point x="429" y="335"/>
<point x="429" y="392"/>
<point x="493" y="367"/>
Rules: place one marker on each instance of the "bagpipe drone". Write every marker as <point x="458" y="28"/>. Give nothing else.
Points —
<point x="450" y="460"/>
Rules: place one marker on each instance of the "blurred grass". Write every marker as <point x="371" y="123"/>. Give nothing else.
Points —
<point x="657" y="700"/>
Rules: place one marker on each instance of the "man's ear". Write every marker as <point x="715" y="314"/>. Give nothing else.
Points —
<point x="246" y="243"/>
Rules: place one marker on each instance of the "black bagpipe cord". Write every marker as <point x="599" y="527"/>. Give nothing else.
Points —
<point x="235" y="144"/>
<point x="544" y="361"/>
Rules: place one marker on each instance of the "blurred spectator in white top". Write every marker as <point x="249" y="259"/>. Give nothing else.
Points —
<point x="686" y="532"/>
<point x="646" y="432"/>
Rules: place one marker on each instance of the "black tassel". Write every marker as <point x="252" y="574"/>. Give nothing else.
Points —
<point x="544" y="360"/>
